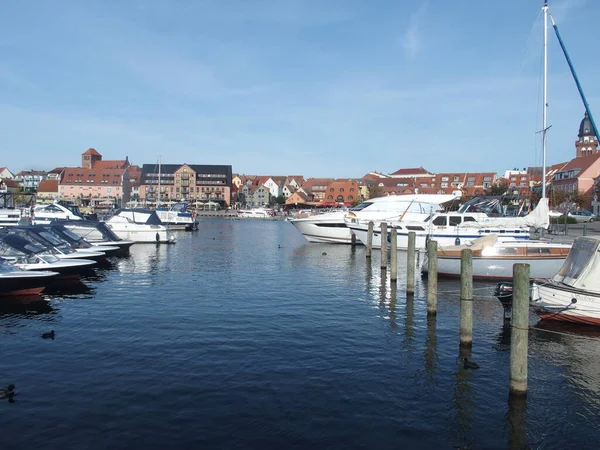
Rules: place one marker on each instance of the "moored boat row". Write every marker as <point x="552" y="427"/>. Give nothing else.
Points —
<point x="34" y="257"/>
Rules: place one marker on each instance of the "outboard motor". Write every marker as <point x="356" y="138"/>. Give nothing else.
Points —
<point x="504" y="293"/>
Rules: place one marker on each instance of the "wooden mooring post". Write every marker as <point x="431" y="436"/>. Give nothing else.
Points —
<point x="352" y="239"/>
<point x="466" y="298"/>
<point x="370" y="239"/>
<point x="394" y="255"/>
<point x="410" y="263"/>
<point x="519" y="339"/>
<point x="432" y="278"/>
<point x="384" y="243"/>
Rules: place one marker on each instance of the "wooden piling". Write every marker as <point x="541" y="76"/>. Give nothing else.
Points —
<point x="370" y="239"/>
<point x="352" y="239"/>
<point x="432" y="278"/>
<point x="394" y="256"/>
<point x="410" y="263"/>
<point x="466" y="298"/>
<point x="519" y="340"/>
<point x="384" y="243"/>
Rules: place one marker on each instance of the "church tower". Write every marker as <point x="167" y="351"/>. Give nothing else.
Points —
<point x="587" y="143"/>
<point x="89" y="157"/>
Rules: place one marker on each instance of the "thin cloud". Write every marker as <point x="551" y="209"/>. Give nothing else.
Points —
<point x="411" y="40"/>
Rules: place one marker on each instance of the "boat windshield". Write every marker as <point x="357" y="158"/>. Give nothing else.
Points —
<point x="491" y="205"/>
<point x="14" y="245"/>
<point x="361" y="206"/>
<point x="73" y="208"/>
<point x="6" y="267"/>
<point x="581" y="254"/>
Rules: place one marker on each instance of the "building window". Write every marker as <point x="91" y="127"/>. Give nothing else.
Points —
<point x="330" y="197"/>
<point x="455" y="178"/>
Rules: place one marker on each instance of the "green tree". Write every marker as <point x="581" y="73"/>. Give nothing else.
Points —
<point x="374" y="191"/>
<point x="499" y="188"/>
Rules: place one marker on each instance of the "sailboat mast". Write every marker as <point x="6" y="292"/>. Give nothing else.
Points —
<point x="544" y="112"/>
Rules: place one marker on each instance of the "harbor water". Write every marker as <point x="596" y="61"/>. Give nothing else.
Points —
<point x="243" y="335"/>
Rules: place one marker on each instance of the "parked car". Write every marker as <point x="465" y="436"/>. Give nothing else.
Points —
<point x="582" y="216"/>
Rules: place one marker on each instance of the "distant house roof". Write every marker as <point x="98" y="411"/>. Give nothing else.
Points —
<point x="94" y="177"/>
<point x="149" y="171"/>
<point x="411" y="172"/>
<point x="91" y="151"/>
<point x="48" y="186"/>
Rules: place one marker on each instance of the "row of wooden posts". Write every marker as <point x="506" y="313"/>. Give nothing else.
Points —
<point x="520" y="310"/>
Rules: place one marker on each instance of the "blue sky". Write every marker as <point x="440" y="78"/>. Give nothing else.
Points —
<point x="313" y="87"/>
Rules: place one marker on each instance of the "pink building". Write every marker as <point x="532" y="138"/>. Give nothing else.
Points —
<point x="96" y="180"/>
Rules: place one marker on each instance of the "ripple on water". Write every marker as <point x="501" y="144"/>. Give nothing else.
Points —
<point x="242" y="335"/>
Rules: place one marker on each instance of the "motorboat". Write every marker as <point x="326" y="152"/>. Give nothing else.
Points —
<point x="15" y="281"/>
<point x="54" y="245"/>
<point x="455" y="228"/>
<point x="330" y="227"/>
<point x="139" y="225"/>
<point x="98" y="234"/>
<point x="44" y="214"/>
<point x="29" y="255"/>
<point x="573" y="294"/>
<point x="78" y="243"/>
<point x="10" y="214"/>
<point x="10" y="217"/>
<point x="256" y="213"/>
<point x="494" y="260"/>
<point x="177" y="217"/>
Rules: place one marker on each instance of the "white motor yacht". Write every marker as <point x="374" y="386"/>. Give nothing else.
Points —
<point x="330" y="227"/>
<point x="177" y="217"/>
<point x="43" y="214"/>
<point x="140" y="225"/>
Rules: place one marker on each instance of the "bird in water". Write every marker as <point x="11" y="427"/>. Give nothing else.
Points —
<point x="48" y="335"/>
<point x="324" y="253"/>
<point x="470" y="364"/>
<point x="8" y="391"/>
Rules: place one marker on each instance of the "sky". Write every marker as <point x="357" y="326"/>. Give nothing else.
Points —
<point x="320" y="88"/>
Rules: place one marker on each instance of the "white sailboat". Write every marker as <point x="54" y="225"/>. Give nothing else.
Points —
<point x="573" y="294"/>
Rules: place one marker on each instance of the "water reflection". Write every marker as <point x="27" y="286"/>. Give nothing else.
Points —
<point x="26" y="307"/>
<point x="463" y="400"/>
<point x="575" y="348"/>
<point x="409" y="322"/>
<point x="516" y="418"/>
<point x="503" y="339"/>
<point x="431" y="357"/>
<point x="145" y="258"/>
<point x="73" y="288"/>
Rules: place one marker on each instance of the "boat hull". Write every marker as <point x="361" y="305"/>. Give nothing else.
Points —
<point x="422" y="236"/>
<point x="328" y="230"/>
<point x="25" y="283"/>
<point x="557" y="302"/>
<point x="490" y="268"/>
<point x="141" y="235"/>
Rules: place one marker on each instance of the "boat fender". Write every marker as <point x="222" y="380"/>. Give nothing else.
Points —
<point x="157" y="237"/>
<point x="457" y="241"/>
